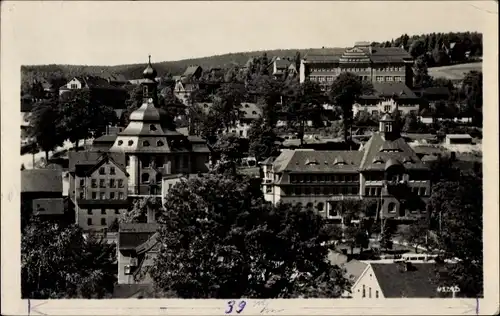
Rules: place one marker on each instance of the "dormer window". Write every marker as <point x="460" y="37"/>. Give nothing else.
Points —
<point x="130" y="142"/>
<point x="145" y="143"/>
<point x="254" y="113"/>
<point x="152" y="127"/>
<point x="247" y="106"/>
<point x="339" y="161"/>
<point x="311" y="162"/>
<point x="159" y="143"/>
<point x="120" y="142"/>
<point x="407" y="160"/>
<point x="378" y="160"/>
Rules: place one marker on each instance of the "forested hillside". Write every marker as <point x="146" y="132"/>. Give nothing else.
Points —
<point x="431" y="44"/>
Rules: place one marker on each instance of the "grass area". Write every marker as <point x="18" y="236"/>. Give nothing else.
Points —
<point x="455" y="72"/>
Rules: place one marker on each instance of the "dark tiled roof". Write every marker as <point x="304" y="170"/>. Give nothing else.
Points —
<point x="102" y="203"/>
<point x="282" y="63"/>
<point x="105" y="139"/>
<point x="147" y="245"/>
<point x="133" y="235"/>
<point x="249" y="110"/>
<point x="397" y="89"/>
<point x="41" y="180"/>
<point x="415" y="283"/>
<point x="354" y="269"/>
<point x="436" y="91"/>
<point x="377" y="143"/>
<point x="191" y="70"/>
<point x="48" y="206"/>
<point x="91" y="158"/>
<point x="318" y="161"/>
<point x="133" y="291"/>
<point x="138" y="227"/>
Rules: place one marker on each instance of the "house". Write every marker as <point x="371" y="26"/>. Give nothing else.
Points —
<point x="385" y="170"/>
<point x="375" y="64"/>
<point x="192" y="73"/>
<point x="458" y="139"/>
<point x="41" y="195"/>
<point x="283" y="67"/>
<point x="396" y="280"/>
<point x="137" y="246"/>
<point x="183" y="90"/>
<point x="98" y="184"/>
<point x="386" y="98"/>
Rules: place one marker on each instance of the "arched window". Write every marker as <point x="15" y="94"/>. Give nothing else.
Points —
<point x="309" y="205"/>
<point x="145" y="143"/>
<point x="130" y="142"/>
<point x="145" y="177"/>
<point x="159" y="143"/>
<point x="152" y="127"/>
<point x="391" y="207"/>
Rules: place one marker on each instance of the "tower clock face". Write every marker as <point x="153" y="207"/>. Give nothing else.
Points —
<point x="150" y="100"/>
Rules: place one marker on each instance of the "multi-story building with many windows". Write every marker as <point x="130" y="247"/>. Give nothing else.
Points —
<point x="385" y="170"/>
<point x="375" y="64"/>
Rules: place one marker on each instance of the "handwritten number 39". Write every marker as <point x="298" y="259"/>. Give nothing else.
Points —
<point x="238" y="309"/>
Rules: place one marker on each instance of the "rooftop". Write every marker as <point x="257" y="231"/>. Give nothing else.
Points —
<point x="318" y="161"/>
<point x="41" y="180"/>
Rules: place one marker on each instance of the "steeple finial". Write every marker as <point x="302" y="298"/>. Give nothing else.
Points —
<point x="149" y="56"/>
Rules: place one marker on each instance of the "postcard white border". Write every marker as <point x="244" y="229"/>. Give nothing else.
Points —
<point x="10" y="235"/>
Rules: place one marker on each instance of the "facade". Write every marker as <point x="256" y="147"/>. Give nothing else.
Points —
<point x="396" y="280"/>
<point x="98" y="188"/>
<point x="375" y="64"/>
<point x="385" y="170"/>
<point x="152" y="150"/>
<point x="41" y="195"/>
<point x="283" y="67"/>
<point x="386" y="98"/>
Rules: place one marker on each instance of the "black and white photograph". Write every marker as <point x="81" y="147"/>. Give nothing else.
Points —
<point x="250" y="151"/>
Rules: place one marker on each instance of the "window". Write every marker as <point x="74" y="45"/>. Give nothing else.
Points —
<point x="112" y="183"/>
<point x="241" y="133"/>
<point x="387" y="108"/>
<point x="120" y="195"/>
<point x="81" y="195"/>
<point x="388" y="78"/>
<point x="120" y="142"/>
<point x="103" y="211"/>
<point x="145" y="178"/>
<point x="317" y="191"/>
<point x="112" y="170"/>
<point x="332" y="212"/>
<point x="120" y="183"/>
<point x="298" y="191"/>
<point x="369" y="292"/>
<point x="421" y="191"/>
<point x="74" y="86"/>
<point x="94" y="195"/>
<point x="117" y="211"/>
<point x="94" y="183"/>
<point x="89" y="211"/>
<point x="89" y="221"/>
<point x="103" y="195"/>
<point x="159" y="143"/>
<point x="102" y="170"/>
<point x="364" y="291"/>
<point x="376" y="294"/>
<point x="101" y="183"/>
<point x="112" y="195"/>
<point x="392" y="207"/>
<point x="379" y="78"/>
<point x="144" y="91"/>
<point x="130" y="142"/>
<point x="320" y="206"/>
<point x="103" y="221"/>
<point x="158" y="177"/>
<point x="82" y="182"/>
<point x="152" y="127"/>
<point x="145" y="143"/>
<point x="309" y="205"/>
<point x="367" y="191"/>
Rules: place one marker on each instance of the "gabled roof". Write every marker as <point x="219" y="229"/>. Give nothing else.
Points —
<point x="414" y="283"/>
<point x="91" y="158"/>
<point x="104" y="159"/>
<point x="95" y="82"/>
<point x="282" y="63"/>
<point x="41" y="180"/>
<point x="375" y="147"/>
<point x="132" y="235"/>
<point x="397" y="89"/>
<point x="308" y="161"/>
<point x="191" y="70"/>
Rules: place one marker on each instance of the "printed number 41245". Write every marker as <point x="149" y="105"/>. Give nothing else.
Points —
<point x="239" y="308"/>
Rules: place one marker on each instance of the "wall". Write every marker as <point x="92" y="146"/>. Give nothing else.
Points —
<point x="96" y="216"/>
<point x="385" y="106"/>
<point x="74" y="81"/>
<point x="85" y="190"/>
<point x="369" y="281"/>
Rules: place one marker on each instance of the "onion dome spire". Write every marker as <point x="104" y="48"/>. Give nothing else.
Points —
<point x="149" y="72"/>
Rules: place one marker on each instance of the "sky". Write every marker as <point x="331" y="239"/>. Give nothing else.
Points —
<point x="111" y="33"/>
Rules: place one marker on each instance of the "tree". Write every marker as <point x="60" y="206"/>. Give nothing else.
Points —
<point x="139" y="210"/>
<point x="227" y="104"/>
<point x="473" y="89"/>
<point x="416" y="234"/>
<point x="263" y="140"/>
<point x="387" y="232"/>
<point x="60" y="263"/>
<point x="344" y="92"/>
<point x="269" y="92"/>
<point x="410" y="122"/>
<point x="363" y="118"/>
<point x="223" y="240"/>
<point x="44" y="128"/>
<point x="297" y="60"/>
<point x="36" y="91"/>
<point x="457" y="207"/>
<point x="228" y="147"/>
<point x="417" y="48"/>
<point x="83" y="117"/>
<point x="421" y="77"/>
